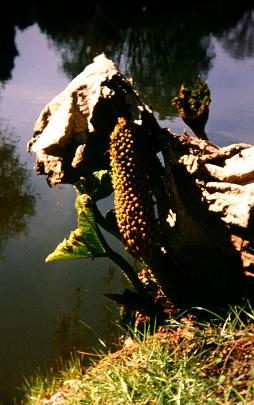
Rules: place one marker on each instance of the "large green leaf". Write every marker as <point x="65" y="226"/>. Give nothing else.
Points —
<point x="84" y="242"/>
<point x="98" y="185"/>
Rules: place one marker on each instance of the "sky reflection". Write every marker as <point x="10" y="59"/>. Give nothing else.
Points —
<point x="32" y="292"/>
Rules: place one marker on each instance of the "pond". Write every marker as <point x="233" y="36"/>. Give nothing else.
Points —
<point x="42" y="303"/>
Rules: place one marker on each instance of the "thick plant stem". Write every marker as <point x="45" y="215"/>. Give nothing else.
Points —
<point x="104" y="223"/>
<point x="127" y="269"/>
<point x="116" y="258"/>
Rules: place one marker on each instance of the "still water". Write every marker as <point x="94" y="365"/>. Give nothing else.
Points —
<point x="37" y="298"/>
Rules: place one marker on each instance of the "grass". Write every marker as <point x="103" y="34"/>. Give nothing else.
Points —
<point x="188" y="361"/>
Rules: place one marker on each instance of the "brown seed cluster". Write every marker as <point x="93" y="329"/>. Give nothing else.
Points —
<point x="133" y="199"/>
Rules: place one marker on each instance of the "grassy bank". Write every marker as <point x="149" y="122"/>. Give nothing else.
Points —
<point x="188" y="361"/>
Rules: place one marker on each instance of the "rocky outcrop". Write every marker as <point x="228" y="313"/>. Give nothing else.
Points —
<point x="203" y="194"/>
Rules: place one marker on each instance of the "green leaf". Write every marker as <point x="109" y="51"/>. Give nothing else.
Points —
<point x="84" y="242"/>
<point x="98" y="185"/>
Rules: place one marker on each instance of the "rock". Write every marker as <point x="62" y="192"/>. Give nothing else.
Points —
<point x="71" y="133"/>
<point x="204" y="194"/>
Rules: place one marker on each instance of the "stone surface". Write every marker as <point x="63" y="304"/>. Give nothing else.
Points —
<point x="71" y="135"/>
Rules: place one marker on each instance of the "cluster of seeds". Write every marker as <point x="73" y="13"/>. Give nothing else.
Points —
<point x="133" y="198"/>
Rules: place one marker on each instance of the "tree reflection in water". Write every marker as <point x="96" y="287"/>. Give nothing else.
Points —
<point x="16" y="199"/>
<point x="159" y="53"/>
<point x="160" y="48"/>
<point x="159" y="44"/>
<point x="239" y="40"/>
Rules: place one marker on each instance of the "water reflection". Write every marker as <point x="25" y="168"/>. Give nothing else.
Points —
<point x="16" y="198"/>
<point x="159" y="51"/>
<point x="156" y="52"/>
<point x="12" y="15"/>
<point x="68" y="332"/>
<point x="160" y="45"/>
<point x="9" y="50"/>
<point x="239" y="41"/>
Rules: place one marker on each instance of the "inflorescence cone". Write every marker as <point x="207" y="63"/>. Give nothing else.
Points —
<point x="133" y="198"/>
